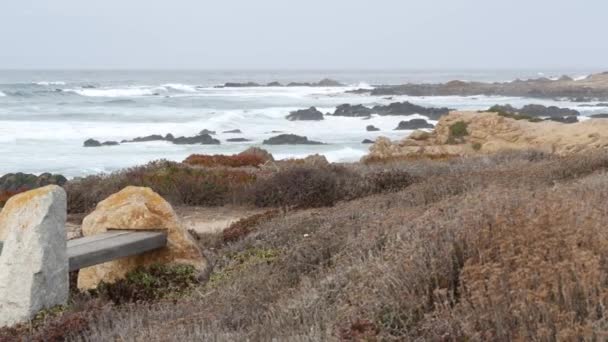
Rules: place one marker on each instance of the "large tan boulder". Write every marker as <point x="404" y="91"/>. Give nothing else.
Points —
<point x="34" y="260"/>
<point x="489" y="133"/>
<point x="138" y="208"/>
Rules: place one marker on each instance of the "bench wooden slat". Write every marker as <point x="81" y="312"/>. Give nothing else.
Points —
<point x="93" y="250"/>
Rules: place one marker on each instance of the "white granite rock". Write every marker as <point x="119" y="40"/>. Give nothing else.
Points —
<point x="34" y="262"/>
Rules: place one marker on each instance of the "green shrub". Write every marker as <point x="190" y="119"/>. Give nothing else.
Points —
<point x="150" y="283"/>
<point x="459" y="129"/>
<point x="476" y="146"/>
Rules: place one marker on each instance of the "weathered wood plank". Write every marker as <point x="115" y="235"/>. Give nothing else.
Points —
<point x="1" y="244"/>
<point x="93" y="250"/>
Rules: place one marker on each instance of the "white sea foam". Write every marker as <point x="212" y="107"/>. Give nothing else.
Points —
<point x="580" y="78"/>
<point x="117" y="92"/>
<point x="2" y="94"/>
<point x="49" y="83"/>
<point x="180" y="87"/>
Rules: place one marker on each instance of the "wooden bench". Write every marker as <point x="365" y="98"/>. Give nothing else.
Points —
<point x="111" y="245"/>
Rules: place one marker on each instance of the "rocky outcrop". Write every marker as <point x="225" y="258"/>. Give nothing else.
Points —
<point x="305" y="114"/>
<point x="153" y="137"/>
<point x="138" y="208"/>
<point x="353" y="110"/>
<point x="203" y="139"/>
<point x="600" y="116"/>
<point x="413" y="124"/>
<point x="206" y="131"/>
<point x="96" y="143"/>
<point x="564" y="119"/>
<point x="467" y="133"/>
<point x="34" y="260"/>
<point x="238" y="140"/>
<point x="535" y="110"/>
<point x="408" y="108"/>
<point x="290" y="139"/>
<point x="26" y="181"/>
<point x="372" y="128"/>
<point x="593" y="87"/>
<point x="367" y="141"/>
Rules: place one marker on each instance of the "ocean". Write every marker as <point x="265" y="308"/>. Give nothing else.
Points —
<point x="45" y="116"/>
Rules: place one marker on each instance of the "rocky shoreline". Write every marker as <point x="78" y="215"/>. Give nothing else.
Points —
<point x="591" y="88"/>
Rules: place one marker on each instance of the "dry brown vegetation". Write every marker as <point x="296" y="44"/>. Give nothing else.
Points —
<point x="507" y="247"/>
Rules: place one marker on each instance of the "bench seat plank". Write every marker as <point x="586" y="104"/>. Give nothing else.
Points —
<point x="111" y="245"/>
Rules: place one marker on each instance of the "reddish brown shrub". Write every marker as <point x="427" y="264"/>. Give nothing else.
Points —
<point x="242" y="227"/>
<point x="239" y="160"/>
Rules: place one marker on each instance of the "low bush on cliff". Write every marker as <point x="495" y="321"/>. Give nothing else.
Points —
<point x="219" y="160"/>
<point x="296" y="187"/>
<point x="178" y="183"/>
<point x="150" y="283"/>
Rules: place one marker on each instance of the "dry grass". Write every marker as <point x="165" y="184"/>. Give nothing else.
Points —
<point x="511" y="247"/>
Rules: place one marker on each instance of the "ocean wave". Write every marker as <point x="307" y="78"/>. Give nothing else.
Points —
<point x="180" y="87"/>
<point x="117" y="92"/>
<point x="2" y="94"/>
<point x="580" y="78"/>
<point x="50" y="83"/>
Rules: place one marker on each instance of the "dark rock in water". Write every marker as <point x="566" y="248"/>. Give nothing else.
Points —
<point x="153" y="137"/>
<point x="372" y="128"/>
<point x="206" y="131"/>
<point x="169" y="137"/>
<point x="110" y="143"/>
<point x="290" y="139"/>
<point x="91" y="143"/>
<point x="367" y="141"/>
<point x="305" y="114"/>
<point x="407" y="108"/>
<point x="299" y="84"/>
<point x="414" y="124"/>
<point x="235" y="131"/>
<point x="274" y="84"/>
<point x="326" y="82"/>
<point x="535" y="110"/>
<point x="540" y="110"/>
<point x="18" y="182"/>
<point x="564" y="119"/>
<point x="96" y="143"/>
<point x="88" y="86"/>
<point x="352" y="111"/>
<point x="241" y="85"/>
<point x="600" y="116"/>
<point x="203" y="139"/>
<point x="237" y="140"/>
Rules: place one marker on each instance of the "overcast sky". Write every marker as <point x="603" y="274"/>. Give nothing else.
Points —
<point x="303" y="34"/>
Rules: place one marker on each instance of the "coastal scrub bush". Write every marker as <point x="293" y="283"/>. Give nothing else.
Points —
<point x="178" y="183"/>
<point x="297" y="187"/>
<point x="459" y="129"/>
<point x="218" y="160"/>
<point x="149" y="283"/>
